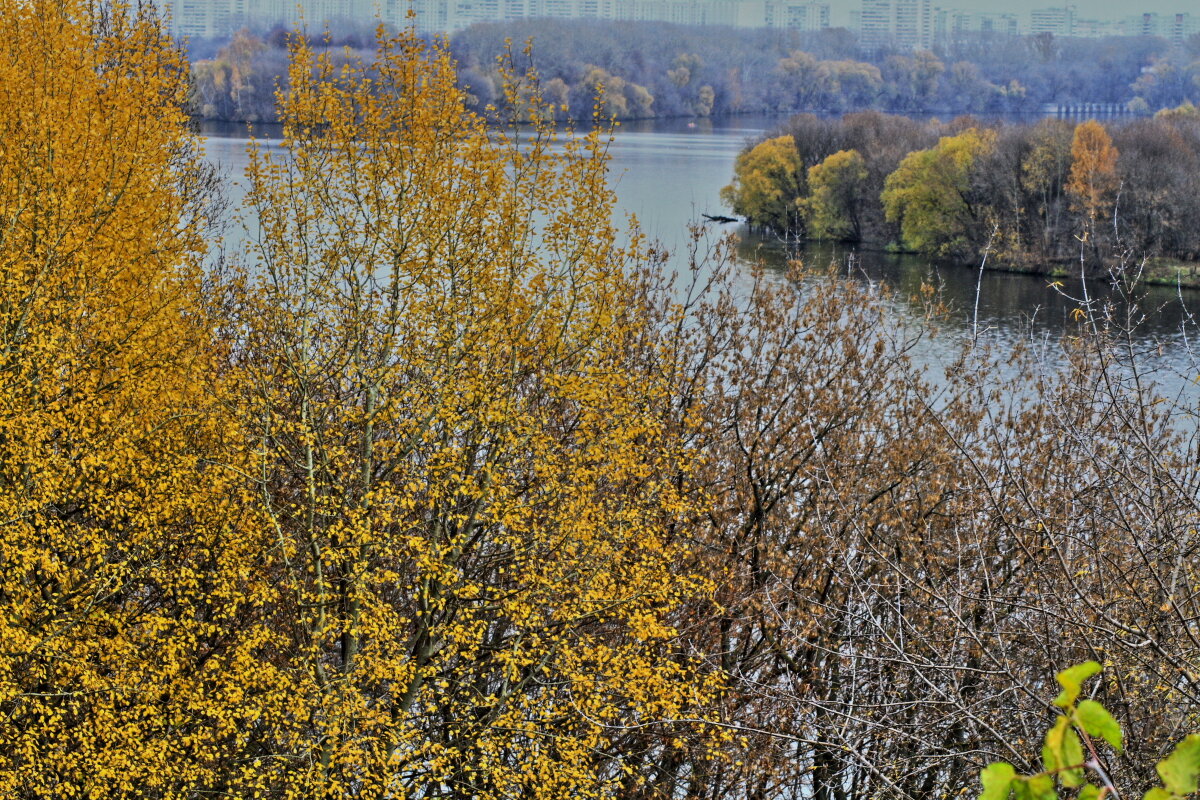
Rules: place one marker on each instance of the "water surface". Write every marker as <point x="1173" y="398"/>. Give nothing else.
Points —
<point x="669" y="173"/>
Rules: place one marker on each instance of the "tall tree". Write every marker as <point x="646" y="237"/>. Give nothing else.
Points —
<point x="1044" y="174"/>
<point x="126" y="601"/>
<point x="470" y="488"/>
<point x="1093" y="181"/>
<point x="929" y="195"/>
<point x="768" y="182"/>
<point x="836" y="197"/>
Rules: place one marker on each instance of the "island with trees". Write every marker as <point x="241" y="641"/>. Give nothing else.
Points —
<point x="1040" y="197"/>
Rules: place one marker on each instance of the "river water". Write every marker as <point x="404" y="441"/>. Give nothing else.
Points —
<point x="669" y="173"/>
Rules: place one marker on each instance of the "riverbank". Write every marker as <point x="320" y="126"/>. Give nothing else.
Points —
<point x="1169" y="272"/>
<point x="1154" y="271"/>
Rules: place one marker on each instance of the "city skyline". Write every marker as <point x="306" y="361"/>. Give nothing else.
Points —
<point x="909" y="23"/>
<point x="840" y="11"/>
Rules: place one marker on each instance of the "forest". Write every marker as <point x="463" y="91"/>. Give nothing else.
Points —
<point x="1032" y="197"/>
<point x="442" y="485"/>
<point x="663" y="70"/>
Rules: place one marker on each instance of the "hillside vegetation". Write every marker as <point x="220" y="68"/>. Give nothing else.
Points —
<point x="442" y="487"/>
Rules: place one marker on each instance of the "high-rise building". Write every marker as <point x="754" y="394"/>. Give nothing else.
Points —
<point x="904" y="23"/>
<point x="954" y="23"/>
<point x="1059" y="21"/>
<point x="800" y="16"/>
<point x="1175" y="27"/>
<point x="1094" y="28"/>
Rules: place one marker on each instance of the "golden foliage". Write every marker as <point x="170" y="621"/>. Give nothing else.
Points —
<point x="469" y="484"/>
<point x="929" y="194"/>
<point x="404" y="528"/>
<point x="1093" y="181"/>
<point x="834" y="204"/>
<point x="767" y="185"/>
<point x="124" y="590"/>
<point x="446" y="494"/>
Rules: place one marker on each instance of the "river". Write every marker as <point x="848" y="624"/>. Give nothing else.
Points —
<point x="668" y="173"/>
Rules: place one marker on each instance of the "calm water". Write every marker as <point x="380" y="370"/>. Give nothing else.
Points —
<point x="666" y="173"/>
<point x="671" y="172"/>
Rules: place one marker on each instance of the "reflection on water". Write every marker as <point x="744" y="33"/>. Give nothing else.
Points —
<point x="1017" y="303"/>
<point x="1013" y="309"/>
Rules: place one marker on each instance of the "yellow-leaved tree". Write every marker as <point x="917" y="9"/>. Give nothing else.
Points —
<point x="127" y="605"/>
<point x="1093" y="180"/>
<point x="930" y="194"/>
<point x="1093" y="183"/>
<point x="457" y="452"/>
<point x="768" y="183"/>
<point x="834" y="206"/>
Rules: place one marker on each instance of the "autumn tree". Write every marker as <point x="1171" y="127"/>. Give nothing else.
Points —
<point x="1092" y="185"/>
<point x="128" y="604"/>
<point x="836" y="196"/>
<point x="798" y="81"/>
<point x="1159" y="173"/>
<point x="1044" y="174"/>
<point x="447" y="492"/>
<point x="619" y="98"/>
<point x="470" y="488"/>
<point x="853" y="84"/>
<point x="768" y="182"/>
<point x="1093" y="179"/>
<point x="929" y="195"/>
<point x="913" y="80"/>
<point x="683" y="69"/>
<point x="231" y="85"/>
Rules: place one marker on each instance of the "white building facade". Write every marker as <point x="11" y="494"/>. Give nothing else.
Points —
<point x="903" y="23"/>
<point x="1175" y="27"/>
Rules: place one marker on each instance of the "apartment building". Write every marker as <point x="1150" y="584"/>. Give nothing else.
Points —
<point x="953" y="23"/>
<point x="1059" y="21"/>
<point x="210" y="18"/>
<point x="1175" y="27"/>
<point x="903" y="23"/>
<point x="788" y="15"/>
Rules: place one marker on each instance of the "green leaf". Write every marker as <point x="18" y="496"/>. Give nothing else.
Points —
<point x="1095" y="719"/>
<point x="1180" y="771"/>
<point x="1049" y="759"/>
<point x="1064" y="752"/>
<point x="997" y="781"/>
<point x="1157" y="793"/>
<point x="1036" y="787"/>
<point x="1088" y="792"/>
<point x="1071" y="679"/>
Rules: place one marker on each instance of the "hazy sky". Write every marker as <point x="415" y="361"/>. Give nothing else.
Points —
<point x="1088" y="9"/>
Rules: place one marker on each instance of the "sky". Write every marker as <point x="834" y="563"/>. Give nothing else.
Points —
<point x="1087" y="9"/>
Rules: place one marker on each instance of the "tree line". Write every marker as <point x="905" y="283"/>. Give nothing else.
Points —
<point x="663" y="70"/>
<point x="443" y="487"/>
<point x="1031" y="196"/>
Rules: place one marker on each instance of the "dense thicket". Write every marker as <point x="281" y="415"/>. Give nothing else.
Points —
<point x="387" y="511"/>
<point x="903" y="561"/>
<point x="443" y="489"/>
<point x="1032" y="196"/>
<point x="663" y="70"/>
